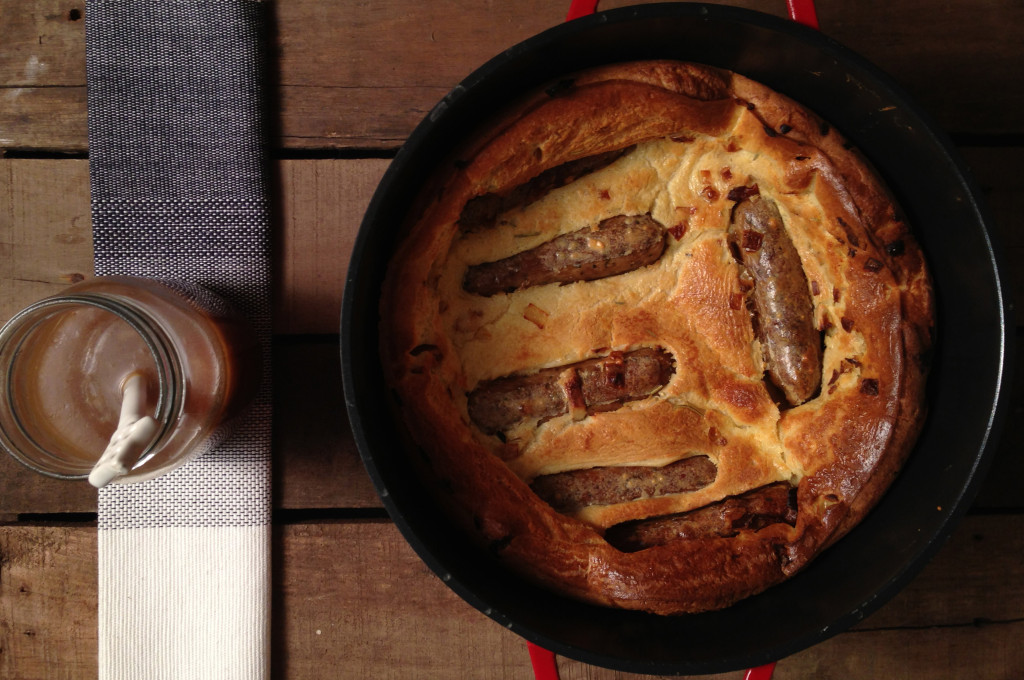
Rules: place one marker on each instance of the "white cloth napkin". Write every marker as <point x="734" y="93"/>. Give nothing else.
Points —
<point x="179" y="190"/>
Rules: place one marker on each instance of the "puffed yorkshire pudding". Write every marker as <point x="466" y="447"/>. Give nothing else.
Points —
<point x="660" y="335"/>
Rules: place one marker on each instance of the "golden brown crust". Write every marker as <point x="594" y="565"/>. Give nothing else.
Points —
<point x="700" y="135"/>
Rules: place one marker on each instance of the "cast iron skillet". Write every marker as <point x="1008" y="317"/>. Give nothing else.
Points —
<point x="967" y="388"/>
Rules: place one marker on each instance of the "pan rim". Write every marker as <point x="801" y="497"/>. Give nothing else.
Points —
<point x="353" y="320"/>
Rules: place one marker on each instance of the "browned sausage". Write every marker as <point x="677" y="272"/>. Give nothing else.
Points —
<point x="575" y="489"/>
<point x="481" y="212"/>
<point x="752" y="511"/>
<point x="594" y="385"/>
<point x="615" y="246"/>
<point x="781" y="296"/>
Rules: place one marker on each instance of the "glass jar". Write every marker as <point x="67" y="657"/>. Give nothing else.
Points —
<point x="65" y="362"/>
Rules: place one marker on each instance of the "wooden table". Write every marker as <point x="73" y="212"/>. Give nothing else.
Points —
<point x="351" y="81"/>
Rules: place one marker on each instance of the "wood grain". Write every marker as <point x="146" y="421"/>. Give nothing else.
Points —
<point x="46" y="233"/>
<point x="362" y="75"/>
<point x="46" y="238"/>
<point x="316" y="464"/>
<point x="354" y="601"/>
<point x="45" y="243"/>
<point x="45" y="229"/>
<point x="48" y="588"/>
<point x="321" y="206"/>
<point x="349" y="81"/>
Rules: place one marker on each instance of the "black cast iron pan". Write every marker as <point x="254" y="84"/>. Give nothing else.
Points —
<point x="967" y="388"/>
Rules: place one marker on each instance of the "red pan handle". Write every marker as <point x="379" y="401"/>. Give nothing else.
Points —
<point x="761" y="672"/>
<point x="545" y="667"/>
<point x="800" y="11"/>
<point x="803" y="12"/>
<point x="581" y="8"/>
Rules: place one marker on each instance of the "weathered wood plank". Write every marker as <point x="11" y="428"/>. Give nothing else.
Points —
<point x="351" y="599"/>
<point x="26" y="492"/>
<point x="322" y="204"/>
<point x="45" y="229"/>
<point x="316" y="463"/>
<point x="45" y="242"/>
<point x="43" y="119"/>
<point x="48" y="590"/>
<point x="46" y="233"/>
<point x="966" y="89"/>
<point x="354" y="598"/>
<point x="963" y="574"/>
<point x="362" y="75"/>
<point x="44" y="43"/>
<point x="377" y="612"/>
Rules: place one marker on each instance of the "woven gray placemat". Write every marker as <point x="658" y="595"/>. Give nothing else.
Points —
<point x="177" y="162"/>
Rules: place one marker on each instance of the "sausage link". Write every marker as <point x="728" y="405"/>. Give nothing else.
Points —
<point x="752" y="511"/>
<point x="615" y="246"/>
<point x="781" y="296"/>
<point x="594" y="385"/>
<point x="575" y="489"/>
<point x="482" y="212"/>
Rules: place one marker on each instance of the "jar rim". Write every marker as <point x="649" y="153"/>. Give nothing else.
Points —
<point x="19" y="329"/>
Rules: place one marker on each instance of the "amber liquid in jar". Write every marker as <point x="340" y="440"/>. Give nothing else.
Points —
<point x="64" y="362"/>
